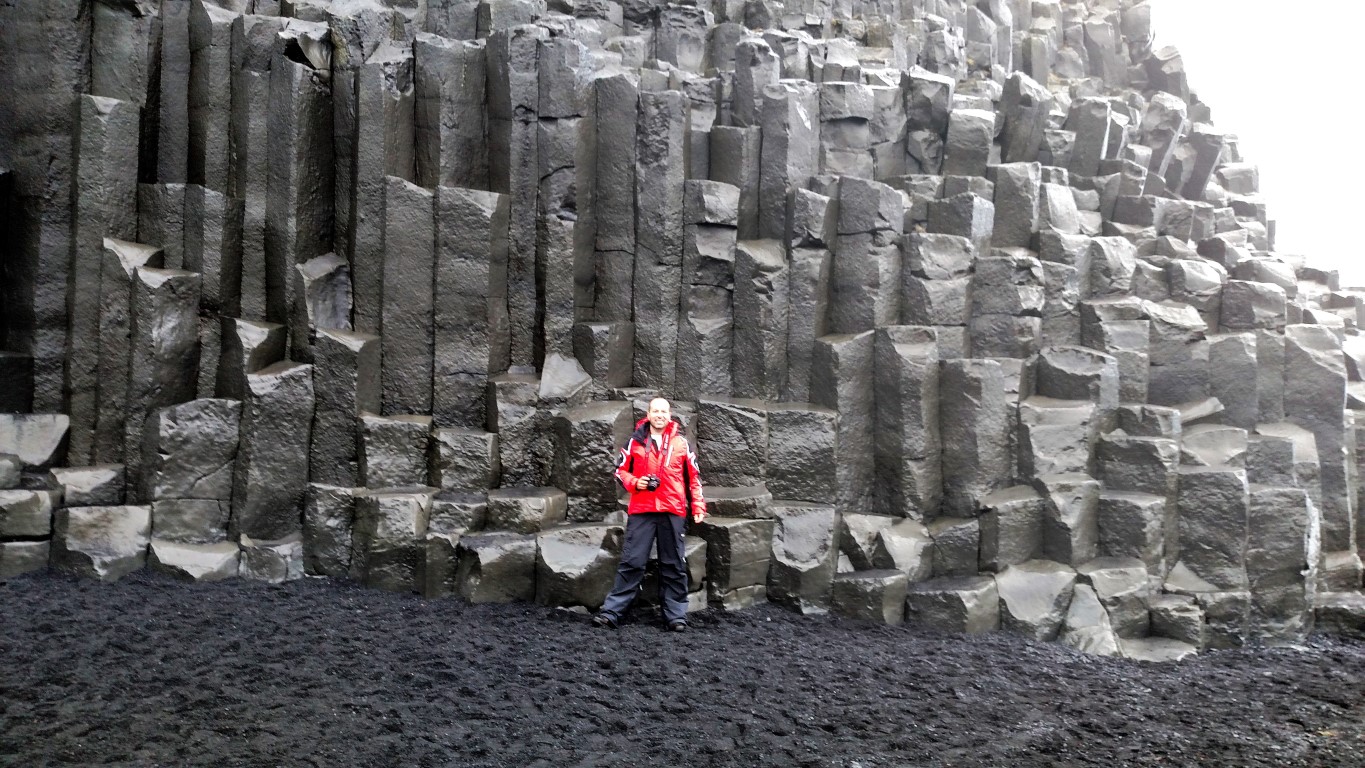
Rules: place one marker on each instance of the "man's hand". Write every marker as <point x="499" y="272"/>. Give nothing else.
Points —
<point x="698" y="515"/>
<point x="641" y="483"/>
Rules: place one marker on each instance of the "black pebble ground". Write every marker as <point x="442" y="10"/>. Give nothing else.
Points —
<point x="153" y="672"/>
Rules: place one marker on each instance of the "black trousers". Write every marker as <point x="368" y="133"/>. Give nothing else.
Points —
<point x="643" y="530"/>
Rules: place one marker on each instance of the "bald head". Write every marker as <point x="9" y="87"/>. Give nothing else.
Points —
<point x="660" y="413"/>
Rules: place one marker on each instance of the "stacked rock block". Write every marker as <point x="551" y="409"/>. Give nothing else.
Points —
<point x="970" y="312"/>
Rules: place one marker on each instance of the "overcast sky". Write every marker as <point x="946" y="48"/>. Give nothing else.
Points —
<point x="1285" y="77"/>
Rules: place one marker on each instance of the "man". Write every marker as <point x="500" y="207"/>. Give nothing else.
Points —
<point x="659" y="470"/>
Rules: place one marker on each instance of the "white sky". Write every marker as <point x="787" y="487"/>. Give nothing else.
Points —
<point x="1283" y="77"/>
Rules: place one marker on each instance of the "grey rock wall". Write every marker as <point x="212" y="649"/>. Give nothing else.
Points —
<point x="972" y="313"/>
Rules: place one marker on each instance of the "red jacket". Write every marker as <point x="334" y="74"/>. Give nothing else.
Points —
<point x="673" y="461"/>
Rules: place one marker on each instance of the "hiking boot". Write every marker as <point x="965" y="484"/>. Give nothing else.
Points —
<point x="677" y="626"/>
<point x="604" y="621"/>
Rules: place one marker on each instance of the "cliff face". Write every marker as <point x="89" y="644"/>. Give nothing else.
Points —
<point x="972" y="314"/>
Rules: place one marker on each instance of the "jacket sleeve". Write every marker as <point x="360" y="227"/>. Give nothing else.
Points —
<point x="624" y="463"/>
<point x="692" y="476"/>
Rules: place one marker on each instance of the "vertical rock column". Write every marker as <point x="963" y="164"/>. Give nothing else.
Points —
<point x="705" y="334"/>
<point x="173" y="123"/>
<point x="253" y="40"/>
<point x="811" y="234"/>
<point x="346" y="377"/>
<point x="561" y="103"/>
<point x="789" y="153"/>
<point x="164" y="356"/>
<point x="359" y="146"/>
<point x="762" y="283"/>
<point x="103" y="206"/>
<point x="658" y="236"/>
<point x="213" y="248"/>
<point x="299" y="194"/>
<point x="470" y="318"/>
<point x="867" y="258"/>
<point x="210" y="95"/>
<point x="449" y="122"/>
<point x="121" y="262"/>
<point x="615" y="99"/>
<point x="270" y="478"/>
<point x="908" y="446"/>
<point x="842" y="379"/>
<point x="973" y="425"/>
<point x="1315" y="399"/>
<point x="406" y="329"/>
<point x="513" y="109"/>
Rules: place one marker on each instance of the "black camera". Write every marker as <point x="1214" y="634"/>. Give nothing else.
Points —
<point x="652" y="482"/>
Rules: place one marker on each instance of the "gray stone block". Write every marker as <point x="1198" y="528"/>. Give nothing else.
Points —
<point x="803" y="452"/>
<point x="732" y="440"/>
<point x="973" y="426"/>
<point x="273" y="562"/>
<point x="27" y="513"/>
<point x="388" y="539"/>
<point x="97" y="486"/>
<point x="576" y="565"/>
<point x="969" y="604"/>
<point x="1011" y="525"/>
<point x="194" y="562"/>
<point x="496" y="568"/>
<point x="761" y="279"/>
<point x="1070" y="517"/>
<point x="328" y="525"/>
<point x="526" y="510"/>
<point x="738" y="553"/>
<point x="104" y="543"/>
<point x="1034" y="597"/>
<point x="842" y="379"/>
<point x="394" y="450"/>
<point x="1087" y="627"/>
<point x="908" y="444"/>
<point x="877" y="596"/>
<point x="1213" y="509"/>
<point x="345" y="384"/>
<point x="270" y="476"/>
<point x="957" y="545"/>
<point x="20" y="557"/>
<point x="37" y="440"/>
<point x="190" y="450"/>
<point x="804" y="555"/>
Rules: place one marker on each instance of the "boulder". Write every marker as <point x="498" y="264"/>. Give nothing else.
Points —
<point x="496" y="568"/>
<point x="97" y="486"/>
<point x="394" y="450"/>
<point x="1034" y="597"/>
<point x="328" y="525"/>
<point x="19" y="557"/>
<point x="804" y="556"/>
<point x="968" y="604"/>
<point x="1086" y="627"/>
<point x="576" y="565"/>
<point x="27" y="514"/>
<point x="38" y="439"/>
<point x="194" y="562"/>
<point x="388" y="537"/>
<point x="1123" y="587"/>
<point x="738" y="553"/>
<point x="105" y="543"/>
<point x="877" y="596"/>
<point x="526" y="510"/>
<point x="273" y="562"/>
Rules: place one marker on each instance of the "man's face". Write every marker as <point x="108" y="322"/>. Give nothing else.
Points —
<point x="660" y="413"/>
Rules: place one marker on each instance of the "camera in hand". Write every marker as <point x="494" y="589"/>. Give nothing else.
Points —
<point x="652" y="482"/>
